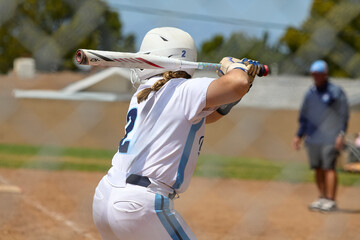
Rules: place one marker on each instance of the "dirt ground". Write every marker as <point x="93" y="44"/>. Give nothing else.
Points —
<point x="57" y="205"/>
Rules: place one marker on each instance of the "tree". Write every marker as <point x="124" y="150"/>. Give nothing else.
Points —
<point x="331" y="32"/>
<point x="51" y="31"/>
<point x="240" y="46"/>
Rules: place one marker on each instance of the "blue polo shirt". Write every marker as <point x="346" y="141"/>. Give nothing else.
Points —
<point x="323" y="115"/>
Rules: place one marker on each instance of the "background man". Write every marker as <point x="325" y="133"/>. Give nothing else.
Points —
<point x="323" y="121"/>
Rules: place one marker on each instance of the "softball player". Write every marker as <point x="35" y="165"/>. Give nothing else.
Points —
<point x="163" y="138"/>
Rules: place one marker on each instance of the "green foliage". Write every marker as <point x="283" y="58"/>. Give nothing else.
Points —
<point x="51" y="31"/>
<point x="240" y="46"/>
<point x="331" y="33"/>
<point x="47" y="15"/>
<point x="294" y="38"/>
<point x="212" y="45"/>
<point x="322" y="7"/>
<point x="10" y="48"/>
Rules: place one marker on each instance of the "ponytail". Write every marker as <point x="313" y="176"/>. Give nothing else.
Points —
<point x="143" y="94"/>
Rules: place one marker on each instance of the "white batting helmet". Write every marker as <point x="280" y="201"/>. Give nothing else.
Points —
<point x="168" y="42"/>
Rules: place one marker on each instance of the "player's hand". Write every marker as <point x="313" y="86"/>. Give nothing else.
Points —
<point x="230" y="63"/>
<point x="253" y="67"/>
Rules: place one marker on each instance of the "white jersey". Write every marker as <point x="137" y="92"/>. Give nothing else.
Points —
<point x="164" y="134"/>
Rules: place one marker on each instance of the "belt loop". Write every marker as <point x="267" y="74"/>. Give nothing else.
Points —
<point x="173" y="195"/>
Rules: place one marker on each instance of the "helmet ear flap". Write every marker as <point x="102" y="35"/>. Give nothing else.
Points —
<point x="167" y="42"/>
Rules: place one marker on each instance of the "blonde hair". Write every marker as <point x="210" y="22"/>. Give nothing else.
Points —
<point x="143" y="94"/>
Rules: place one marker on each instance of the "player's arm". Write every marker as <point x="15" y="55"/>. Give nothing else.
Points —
<point x="228" y="89"/>
<point x="220" y="112"/>
<point x="213" y="117"/>
<point x="236" y="77"/>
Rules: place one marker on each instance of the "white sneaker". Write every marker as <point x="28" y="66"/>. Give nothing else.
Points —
<point x="317" y="205"/>
<point x="328" y="206"/>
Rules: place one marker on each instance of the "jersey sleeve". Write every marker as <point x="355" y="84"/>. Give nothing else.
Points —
<point x="193" y="98"/>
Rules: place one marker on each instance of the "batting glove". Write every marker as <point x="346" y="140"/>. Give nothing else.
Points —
<point x="230" y="63"/>
<point x="254" y="67"/>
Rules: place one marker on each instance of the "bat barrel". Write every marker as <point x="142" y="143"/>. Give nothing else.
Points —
<point x="81" y="57"/>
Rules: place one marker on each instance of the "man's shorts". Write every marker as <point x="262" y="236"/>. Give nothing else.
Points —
<point x="322" y="156"/>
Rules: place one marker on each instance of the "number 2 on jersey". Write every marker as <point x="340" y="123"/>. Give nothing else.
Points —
<point x="130" y="122"/>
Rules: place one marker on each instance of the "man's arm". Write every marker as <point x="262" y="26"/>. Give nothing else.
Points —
<point x="344" y="112"/>
<point x="302" y="126"/>
<point x="344" y="119"/>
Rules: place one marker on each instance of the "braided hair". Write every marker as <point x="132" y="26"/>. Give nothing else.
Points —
<point x="143" y="94"/>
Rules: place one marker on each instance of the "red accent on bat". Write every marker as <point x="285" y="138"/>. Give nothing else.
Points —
<point x="266" y="70"/>
<point x="78" y="56"/>
<point x="150" y="63"/>
<point x="121" y="59"/>
<point x="133" y="60"/>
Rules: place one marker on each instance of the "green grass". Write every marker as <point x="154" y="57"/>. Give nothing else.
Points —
<point x="262" y="169"/>
<point x="57" y="158"/>
<point x="55" y="151"/>
<point x="54" y="158"/>
<point x="252" y="168"/>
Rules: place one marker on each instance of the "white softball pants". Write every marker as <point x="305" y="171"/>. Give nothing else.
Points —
<point x="133" y="212"/>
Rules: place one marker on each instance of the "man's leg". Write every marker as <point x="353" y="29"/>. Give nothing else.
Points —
<point x="320" y="182"/>
<point x="314" y="153"/>
<point x="330" y="155"/>
<point x="330" y="184"/>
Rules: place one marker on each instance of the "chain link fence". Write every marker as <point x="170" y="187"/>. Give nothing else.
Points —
<point x="250" y="131"/>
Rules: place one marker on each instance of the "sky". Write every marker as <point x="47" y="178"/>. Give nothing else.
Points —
<point x="203" y="19"/>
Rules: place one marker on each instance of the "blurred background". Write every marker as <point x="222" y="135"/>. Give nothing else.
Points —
<point x="286" y="34"/>
<point x="48" y="99"/>
<point x="57" y="115"/>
